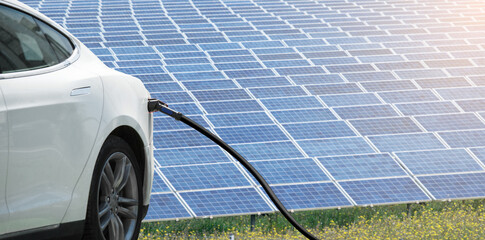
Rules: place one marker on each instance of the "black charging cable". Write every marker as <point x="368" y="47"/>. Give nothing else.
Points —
<point x="157" y="105"/>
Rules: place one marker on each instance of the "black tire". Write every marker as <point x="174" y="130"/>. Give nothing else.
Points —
<point x="115" y="199"/>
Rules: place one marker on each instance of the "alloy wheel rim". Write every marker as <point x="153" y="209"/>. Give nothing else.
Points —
<point x="117" y="198"/>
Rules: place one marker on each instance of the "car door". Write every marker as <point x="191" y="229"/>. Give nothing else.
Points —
<point x="54" y="110"/>
<point x="3" y="164"/>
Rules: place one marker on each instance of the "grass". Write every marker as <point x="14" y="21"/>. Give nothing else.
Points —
<point x="435" y="220"/>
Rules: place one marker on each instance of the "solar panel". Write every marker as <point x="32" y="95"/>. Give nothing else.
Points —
<point x="336" y="104"/>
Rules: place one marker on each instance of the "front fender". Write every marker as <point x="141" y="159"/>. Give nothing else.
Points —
<point x="125" y="104"/>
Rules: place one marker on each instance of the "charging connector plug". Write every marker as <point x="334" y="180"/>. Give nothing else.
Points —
<point x="155" y="105"/>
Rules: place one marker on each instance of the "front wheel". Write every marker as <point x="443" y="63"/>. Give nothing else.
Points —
<point x="115" y="199"/>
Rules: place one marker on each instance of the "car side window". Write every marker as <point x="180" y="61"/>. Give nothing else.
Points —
<point x="27" y="43"/>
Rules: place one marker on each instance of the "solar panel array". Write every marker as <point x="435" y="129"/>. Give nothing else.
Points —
<point x="337" y="102"/>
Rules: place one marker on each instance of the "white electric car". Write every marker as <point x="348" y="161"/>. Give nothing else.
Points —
<point x="75" y="136"/>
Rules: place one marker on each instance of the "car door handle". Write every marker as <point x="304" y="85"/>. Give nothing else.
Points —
<point x="81" y="91"/>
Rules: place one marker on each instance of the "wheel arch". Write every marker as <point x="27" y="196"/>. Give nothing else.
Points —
<point x="130" y="136"/>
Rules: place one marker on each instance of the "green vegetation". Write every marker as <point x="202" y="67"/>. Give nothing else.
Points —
<point x="435" y="220"/>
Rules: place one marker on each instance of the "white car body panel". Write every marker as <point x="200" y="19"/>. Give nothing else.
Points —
<point x="51" y="137"/>
<point x="45" y="189"/>
<point x="3" y="163"/>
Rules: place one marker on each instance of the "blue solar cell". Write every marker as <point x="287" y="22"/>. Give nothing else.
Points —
<point x="326" y="54"/>
<point x="350" y="99"/>
<point x="303" y="115"/>
<point x="272" y="92"/>
<point x="207" y="40"/>
<point x="141" y="70"/>
<point x="420" y="73"/>
<point x="288" y="36"/>
<point x="383" y="58"/>
<point x="249" y="73"/>
<point x="158" y="184"/>
<point x="333" y="88"/>
<point x="186" y="108"/>
<point x="408" y="96"/>
<point x="362" y="166"/>
<point x="291" y="103"/>
<point x="186" y="156"/>
<point x="195" y="177"/>
<point x="369" y="76"/>
<point x="455" y="186"/>
<point x="221" y="95"/>
<point x="290" y="171"/>
<point x="388" y="86"/>
<point x="242" y="33"/>
<point x="251" y="134"/>
<point x="129" y="57"/>
<point x="229" y="53"/>
<point x="151" y="78"/>
<point x="132" y="50"/>
<point x="184" y="54"/>
<point x="199" y="76"/>
<point x="167" y="123"/>
<point x="167" y="42"/>
<point x="267" y="151"/>
<point x="240" y="119"/>
<point x="443" y="82"/>
<point x="200" y="35"/>
<point x="382" y="191"/>
<point x="106" y="58"/>
<point x="317" y="48"/>
<point x="480" y="153"/>
<point x="472" y="105"/>
<point x="226" y="202"/>
<point x="124" y="44"/>
<point x="209" y="85"/>
<point x="373" y="111"/>
<point x="462" y="93"/>
<point x="329" y="35"/>
<point x="350" y="68"/>
<point x="406" y="142"/>
<point x="262" y="44"/>
<point x="334" y="61"/>
<point x="310" y="196"/>
<point x="259" y="51"/>
<point x="336" y="146"/>
<point x="330" y="129"/>
<point x="450" y="122"/>
<point x="263" y="82"/>
<point x="219" y="46"/>
<point x="285" y="56"/>
<point x="184" y="138"/>
<point x="139" y="63"/>
<point x="238" y="65"/>
<point x="166" y="206"/>
<point x="163" y="87"/>
<point x="385" y="126"/>
<point x="232" y="106"/>
<point x="233" y="59"/>
<point x="286" y="63"/>
<point x="346" y="40"/>
<point x="177" y="48"/>
<point x="427" y="108"/>
<point x="305" y="42"/>
<point x="459" y="139"/>
<point x="439" y="161"/>
<point x="317" y="79"/>
<point x="173" y="97"/>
